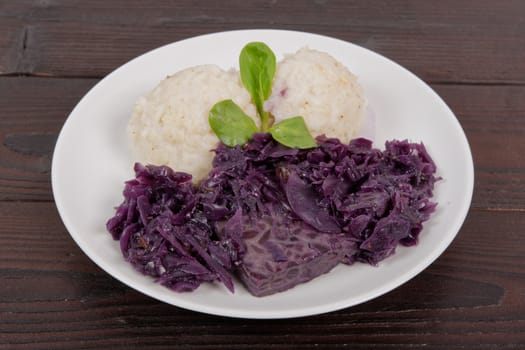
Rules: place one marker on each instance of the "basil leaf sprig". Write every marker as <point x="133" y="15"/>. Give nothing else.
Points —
<point x="234" y="127"/>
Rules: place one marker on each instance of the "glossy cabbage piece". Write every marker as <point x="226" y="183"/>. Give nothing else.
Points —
<point x="163" y="235"/>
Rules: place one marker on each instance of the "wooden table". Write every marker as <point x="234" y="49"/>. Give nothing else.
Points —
<point x="52" y="296"/>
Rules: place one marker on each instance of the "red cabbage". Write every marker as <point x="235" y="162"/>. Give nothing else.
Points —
<point x="283" y="251"/>
<point x="273" y="215"/>
<point x="163" y="235"/>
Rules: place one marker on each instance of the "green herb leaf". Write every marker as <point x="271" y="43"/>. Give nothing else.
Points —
<point x="231" y="124"/>
<point x="257" y="65"/>
<point x="233" y="127"/>
<point x="292" y="132"/>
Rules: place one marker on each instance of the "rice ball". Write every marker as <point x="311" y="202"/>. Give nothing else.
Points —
<point x="169" y="126"/>
<point x="314" y="85"/>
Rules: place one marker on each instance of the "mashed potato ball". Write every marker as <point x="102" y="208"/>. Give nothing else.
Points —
<point x="169" y="126"/>
<point x="314" y="85"/>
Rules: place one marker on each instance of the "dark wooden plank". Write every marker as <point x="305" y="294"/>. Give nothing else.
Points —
<point x="471" y="41"/>
<point x="32" y="111"/>
<point x="493" y="120"/>
<point x="51" y="290"/>
<point x="495" y="13"/>
<point x="12" y="40"/>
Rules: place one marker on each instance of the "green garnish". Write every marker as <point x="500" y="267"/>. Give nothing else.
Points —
<point x="231" y="124"/>
<point x="292" y="132"/>
<point x="257" y="65"/>
<point x="234" y="127"/>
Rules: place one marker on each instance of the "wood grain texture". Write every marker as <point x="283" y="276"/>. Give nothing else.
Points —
<point x="53" y="297"/>
<point x="470" y="41"/>
<point x="11" y="44"/>
<point x="32" y="112"/>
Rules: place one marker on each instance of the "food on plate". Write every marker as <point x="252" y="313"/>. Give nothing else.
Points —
<point x="248" y="216"/>
<point x="324" y="92"/>
<point x="271" y="204"/>
<point x="162" y="235"/>
<point x="283" y="251"/>
<point x="170" y="126"/>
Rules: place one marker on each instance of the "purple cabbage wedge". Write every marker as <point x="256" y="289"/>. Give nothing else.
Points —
<point x="283" y="251"/>
<point x="273" y="215"/>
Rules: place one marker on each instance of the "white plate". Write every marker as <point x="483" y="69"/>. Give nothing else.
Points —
<point x="91" y="161"/>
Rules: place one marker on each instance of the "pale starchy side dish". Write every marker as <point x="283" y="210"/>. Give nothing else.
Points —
<point x="170" y="126"/>
<point x="257" y="174"/>
<point x="323" y="91"/>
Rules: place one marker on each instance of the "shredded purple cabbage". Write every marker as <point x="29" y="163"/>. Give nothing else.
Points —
<point x="273" y="215"/>
<point x="162" y="234"/>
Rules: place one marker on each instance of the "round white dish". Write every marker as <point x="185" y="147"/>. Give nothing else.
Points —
<point x="91" y="161"/>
